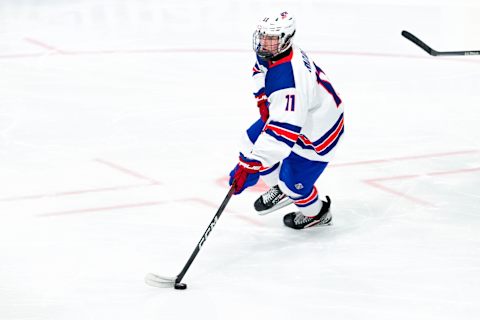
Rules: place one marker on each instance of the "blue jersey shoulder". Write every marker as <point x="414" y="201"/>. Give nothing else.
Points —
<point x="279" y="77"/>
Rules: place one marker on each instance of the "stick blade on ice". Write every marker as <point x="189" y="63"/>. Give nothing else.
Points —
<point x="159" y="281"/>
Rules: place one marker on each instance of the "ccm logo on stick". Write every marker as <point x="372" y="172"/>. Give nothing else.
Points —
<point x="207" y="232"/>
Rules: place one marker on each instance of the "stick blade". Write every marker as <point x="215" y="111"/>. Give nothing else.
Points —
<point x="159" y="281"/>
<point x="419" y="43"/>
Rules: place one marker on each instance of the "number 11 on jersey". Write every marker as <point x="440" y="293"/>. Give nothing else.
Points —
<point x="290" y="102"/>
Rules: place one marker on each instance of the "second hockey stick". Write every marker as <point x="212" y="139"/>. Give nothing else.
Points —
<point x="432" y="52"/>
<point x="175" y="282"/>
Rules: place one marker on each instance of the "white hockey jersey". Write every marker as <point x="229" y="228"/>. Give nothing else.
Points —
<point x="306" y="114"/>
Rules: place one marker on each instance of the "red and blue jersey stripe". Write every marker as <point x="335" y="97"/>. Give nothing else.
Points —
<point x="284" y="132"/>
<point x="326" y="143"/>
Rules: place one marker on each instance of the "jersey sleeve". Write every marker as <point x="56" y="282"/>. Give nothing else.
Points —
<point x="251" y="136"/>
<point x="259" y="78"/>
<point x="288" y="112"/>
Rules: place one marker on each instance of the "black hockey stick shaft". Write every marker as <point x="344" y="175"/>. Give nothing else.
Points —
<point x="206" y="234"/>
<point x="432" y="52"/>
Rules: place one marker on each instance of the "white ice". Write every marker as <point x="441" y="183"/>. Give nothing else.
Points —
<point x="120" y="120"/>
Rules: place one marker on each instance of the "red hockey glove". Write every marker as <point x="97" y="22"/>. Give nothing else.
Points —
<point x="245" y="174"/>
<point x="262" y="104"/>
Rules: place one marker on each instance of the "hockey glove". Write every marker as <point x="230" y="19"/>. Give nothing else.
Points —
<point x="245" y="174"/>
<point x="262" y="104"/>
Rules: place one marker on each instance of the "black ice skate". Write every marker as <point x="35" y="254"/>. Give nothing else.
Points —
<point x="297" y="220"/>
<point x="271" y="200"/>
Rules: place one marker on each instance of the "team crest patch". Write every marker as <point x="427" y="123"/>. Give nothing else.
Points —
<point x="299" y="186"/>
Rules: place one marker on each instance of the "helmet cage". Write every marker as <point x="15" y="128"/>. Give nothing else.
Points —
<point x="269" y="45"/>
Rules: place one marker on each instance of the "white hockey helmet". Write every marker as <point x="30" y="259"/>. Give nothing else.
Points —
<point x="274" y="35"/>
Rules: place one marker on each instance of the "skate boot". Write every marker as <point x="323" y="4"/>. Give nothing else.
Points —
<point x="271" y="200"/>
<point x="297" y="220"/>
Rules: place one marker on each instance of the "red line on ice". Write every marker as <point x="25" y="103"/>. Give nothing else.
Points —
<point x="127" y="171"/>
<point x="216" y="206"/>
<point x="424" y="156"/>
<point x="376" y="182"/>
<point x="116" y="207"/>
<point x="44" y="45"/>
<point x="145" y="204"/>
<point x="73" y="192"/>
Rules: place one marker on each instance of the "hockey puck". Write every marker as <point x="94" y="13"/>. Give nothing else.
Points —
<point x="180" y="286"/>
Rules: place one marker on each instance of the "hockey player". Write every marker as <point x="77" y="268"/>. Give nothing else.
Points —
<point x="300" y="126"/>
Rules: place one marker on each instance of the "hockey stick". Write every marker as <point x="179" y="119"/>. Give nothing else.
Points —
<point x="432" y="52"/>
<point x="174" y="282"/>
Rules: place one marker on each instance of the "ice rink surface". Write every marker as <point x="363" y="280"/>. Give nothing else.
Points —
<point x="120" y="120"/>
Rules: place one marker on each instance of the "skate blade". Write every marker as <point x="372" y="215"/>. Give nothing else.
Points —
<point x="321" y="223"/>
<point x="283" y="203"/>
